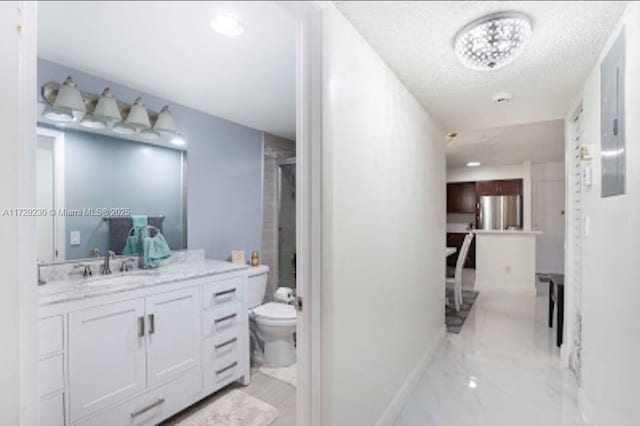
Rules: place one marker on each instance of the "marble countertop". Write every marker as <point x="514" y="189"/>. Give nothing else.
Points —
<point x="66" y="290"/>
<point x="507" y="232"/>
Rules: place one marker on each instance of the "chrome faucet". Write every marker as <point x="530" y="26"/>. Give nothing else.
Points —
<point x="86" y="269"/>
<point x="106" y="267"/>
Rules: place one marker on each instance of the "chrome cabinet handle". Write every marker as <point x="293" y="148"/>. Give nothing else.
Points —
<point x="224" y="292"/>
<point x="227" y="317"/>
<point x="223" y="344"/>
<point x="228" y="367"/>
<point x="140" y="326"/>
<point x="154" y="404"/>
<point x="152" y="323"/>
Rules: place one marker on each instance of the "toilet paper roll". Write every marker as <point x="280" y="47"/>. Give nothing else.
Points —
<point x="283" y="294"/>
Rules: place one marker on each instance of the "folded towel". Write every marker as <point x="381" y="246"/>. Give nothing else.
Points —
<point x="155" y="248"/>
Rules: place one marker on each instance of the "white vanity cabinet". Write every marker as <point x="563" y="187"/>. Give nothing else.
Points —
<point x="173" y="334"/>
<point x="139" y="357"/>
<point x="107" y="350"/>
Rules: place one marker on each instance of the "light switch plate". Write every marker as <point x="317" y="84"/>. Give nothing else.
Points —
<point x="74" y="238"/>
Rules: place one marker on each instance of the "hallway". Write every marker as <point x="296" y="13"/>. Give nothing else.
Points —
<point x="502" y="370"/>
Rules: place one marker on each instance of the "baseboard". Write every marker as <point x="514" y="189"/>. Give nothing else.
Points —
<point x="505" y="288"/>
<point x="398" y="402"/>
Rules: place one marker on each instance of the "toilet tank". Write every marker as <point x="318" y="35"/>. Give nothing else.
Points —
<point x="256" y="285"/>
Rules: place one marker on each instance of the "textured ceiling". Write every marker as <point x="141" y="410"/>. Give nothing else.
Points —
<point x="415" y="39"/>
<point x="537" y="142"/>
<point x="168" y="49"/>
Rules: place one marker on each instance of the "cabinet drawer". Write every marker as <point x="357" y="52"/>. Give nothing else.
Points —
<point x="52" y="411"/>
<point x="221" y="292"/>
<point x="50" y="339"/>
<point x="153" y="406"/>
<point x="222" y="319"/>
<point x="221" y="350"/>
<point x="51" y="374"/>
<point x="223" y="374"/>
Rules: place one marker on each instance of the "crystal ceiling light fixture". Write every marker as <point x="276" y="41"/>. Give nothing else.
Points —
<point x="493" y="41"/>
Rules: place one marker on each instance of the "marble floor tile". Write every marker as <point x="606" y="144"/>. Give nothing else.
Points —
<point x="503" y="369"/>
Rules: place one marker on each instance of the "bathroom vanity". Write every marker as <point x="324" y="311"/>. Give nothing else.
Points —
<point x="139" y="346"/>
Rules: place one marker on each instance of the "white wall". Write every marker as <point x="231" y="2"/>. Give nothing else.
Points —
<point x="506" y="262"/>
<point x="611" y="259"/>
<point x="515" y="171"/>
<point x="383" y="230"/>
<point x="18" y="350"/>
<point x="548" y="203"/>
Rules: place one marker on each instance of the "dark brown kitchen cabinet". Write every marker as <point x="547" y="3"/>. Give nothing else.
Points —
<point x="455" y="239"/>
<point x="499" y="187"/>
<point x="461" y="197"/>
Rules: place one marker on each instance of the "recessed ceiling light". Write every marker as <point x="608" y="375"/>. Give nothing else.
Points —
<point x="227" y="24"/>
<point x="473" y="164"/>
<point x="501" y="97"/>
<point x="492" y="41"/>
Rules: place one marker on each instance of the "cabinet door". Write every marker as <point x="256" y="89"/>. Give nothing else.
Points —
<point x="488" y="187"/>
<point x="511" y="187"/>
<point x="173" y="333"/>
<point x="467" y="197"/>
<point x="106" y="355"/>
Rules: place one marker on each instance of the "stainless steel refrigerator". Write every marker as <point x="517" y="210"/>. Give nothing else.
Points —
<point x="502" y="212"/>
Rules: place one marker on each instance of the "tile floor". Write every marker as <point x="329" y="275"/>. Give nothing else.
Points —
<point x="275" y="392"/>
<point x="503" y="369"/>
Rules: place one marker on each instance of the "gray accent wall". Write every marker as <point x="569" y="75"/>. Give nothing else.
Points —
<point x="224" y="172"/>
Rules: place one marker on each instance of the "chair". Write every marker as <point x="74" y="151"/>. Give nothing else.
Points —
<point x="456" y="281"/>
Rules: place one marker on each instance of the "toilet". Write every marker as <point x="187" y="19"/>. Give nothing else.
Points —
<point x="272" y="324"/>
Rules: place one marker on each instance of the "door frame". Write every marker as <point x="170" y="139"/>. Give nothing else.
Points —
<point x="309" y="390"/>
<point x="59" y="222"/>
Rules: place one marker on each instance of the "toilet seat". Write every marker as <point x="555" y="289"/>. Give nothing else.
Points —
<point x="273" y="313"/>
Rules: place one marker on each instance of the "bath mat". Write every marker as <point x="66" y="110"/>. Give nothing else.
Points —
<point x="455" y="320"/>
<point x="286" y="374"/>
<point x="235" y="408"/>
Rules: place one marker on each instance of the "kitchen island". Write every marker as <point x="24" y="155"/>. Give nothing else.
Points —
<point x="506" y="261"/>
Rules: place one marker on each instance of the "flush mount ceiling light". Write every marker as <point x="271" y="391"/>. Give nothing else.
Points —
<point x="227" y="24"/>
<point x="492" y="41"/>
<point x="473" y="164"/>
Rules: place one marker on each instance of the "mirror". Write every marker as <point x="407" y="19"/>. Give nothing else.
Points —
<point x="88" y="185"/>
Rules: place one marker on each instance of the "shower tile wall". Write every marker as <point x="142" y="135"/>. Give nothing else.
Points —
<point x="275" y="149"/>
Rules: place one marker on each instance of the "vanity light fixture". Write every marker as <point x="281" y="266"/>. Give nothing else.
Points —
<point x="92" y="122"/>
<point x="473" y="164"/>
<point x="493" y="41"/>
<point x="178" y="141"/>
<point x="149" y="134"/>
<point x="138" y="117"/>
<point x="123" y="129"/>
<point x="227" y="24"/>
<point x="107" y="107"/>
<point x="165" y="123"/>
<point x="68" y="104"/>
